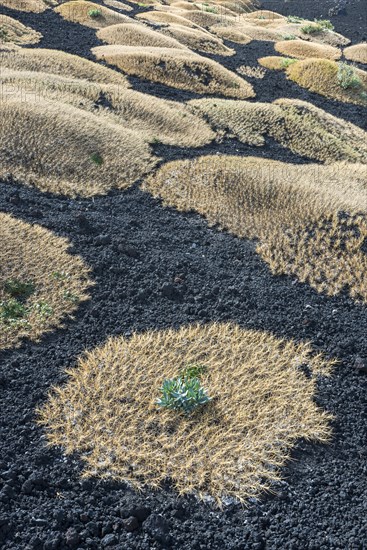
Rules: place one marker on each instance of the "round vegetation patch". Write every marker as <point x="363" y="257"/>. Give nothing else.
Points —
<point x="357" y="53"/>
<point x="90" y="14"/>
<point x="198" y="40"/>
<point x="231" y="34"/>
<point x="233" y="446"/>
<point x="130" y="34"/>
<point x="14" y="32"/>
<point x="59" y="63"/>
<point x="341" y="82"/>
<point x="41" y="283"/>
<point x="310" y="221"/>
<point x="35" y="6"/>
<point x="302" y="49"/>
<point x="176" y="68"/>
<point x="64" y="150"/>
<point x="297" y="125"/>
<point x="157" y="120"/>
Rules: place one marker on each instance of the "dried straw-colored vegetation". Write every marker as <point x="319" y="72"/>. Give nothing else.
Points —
<point x="168" y="18"/>
<point x="130" y="34"/>
<point x="65" y="150"/>
<point x="251" y="72"/>
<point x="235" y="446"/>
<point x="59" y="63"/>
<point x="156" y="119"/>
<point x="297" y="125"/>
<point x="197" y="39"/>
<point x="321" y="76"/>
<point x="357" y="53"/>
<point x="303" y="50"/>
<point x="273" y="62"/>
<point x="231" y="34"/>
<point x="40" y="282"/>
<point x="177" y="68"/>
<point x="12" y="31"/>
<point x="81" y="11"/>
<point x="310" y="220"/>
<point x="117" y="4"/>
<point x="35" y="6"/>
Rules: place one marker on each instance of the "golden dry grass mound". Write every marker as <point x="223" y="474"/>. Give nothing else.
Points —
<point x="233" y="447"/>
<point x="273" y="62"/>
<point x="309" y="220"/>
<point x="303" y="50"/>
<point x="59" y="63"/>
<point x="177" y="68"/>
<point x="357" y="53"/>
<point x="128" y="34"/>
<point x="90" y="14"/>
<point x="156" y="119"/>
<point x="199" y="40"/>
<point x="265" y="16"/>
<point x="297" y="125"/>
<point x="41" y="283"/>
<point x="64" y="150"/>
<point x="117" y="4"/>
<point x="35" y="6"/>
<point x="231" y="34"/>
<point x="168" y="18"/>
<point x="321" y="76"/>
<point x="13" y="31"/>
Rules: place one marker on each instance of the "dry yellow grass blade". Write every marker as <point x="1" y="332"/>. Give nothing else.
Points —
<point x="302" y="49"/>
<point x="55" y="281"/>
<point x="90" y="14"/>
<point x="297" y="125"/>
<point x="357" y="53"/>
<point x="137" y="34"/>
<point x="35" y="6"/>
<point x="59" y="63"/>
<point x="64" y="150"/>
<point x="234" y="447"/>
<point x="13" y="31"/>
<point x="321" y="76"/>
<point x="177" y="68"/>
<point x="157" y="120"/>
<point x="310" y="220"/>
<point x="196" y="39"/>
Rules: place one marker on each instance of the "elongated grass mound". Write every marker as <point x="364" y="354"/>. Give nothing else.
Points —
<point x="157" y="120"/>
<point x="59" y="63"/>
<point x="297" y="125"/>
<point x="137" y="35"/>
<point x="90" y="14"/>
<point x="234" y="446"/>
<point x="166" y="18"/>
<point x="321" y="76"/>
<point x="12" y="31"/>
<point x="303" y="50"/>
<point x="357" y="53"/>
<point x="231" y="34"/>
<point x="35" y="6"/>
<point x="310" y="220"/>
<point x="41" y="283"/>
<point x="117" y="4"/>
<point x="275" y="62"/>
<point x="198" y="40"/>
<point x="64" y="150"/>
<point x="177" y="68"/>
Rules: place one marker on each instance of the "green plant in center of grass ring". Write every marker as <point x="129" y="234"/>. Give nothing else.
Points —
<point x="185" y="392"/>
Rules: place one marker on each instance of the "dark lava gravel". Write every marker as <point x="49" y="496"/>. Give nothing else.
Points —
<point x="137" y="249"/>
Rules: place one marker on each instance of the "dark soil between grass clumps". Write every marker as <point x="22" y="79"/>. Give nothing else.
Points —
<point x="136" y="249"/>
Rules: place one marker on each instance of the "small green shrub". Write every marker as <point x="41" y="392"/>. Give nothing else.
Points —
<point x="3" y="34"/>
<point x="289" y="37"/>
<point x="347" y="76"/>
<point x="287" y="61"/>
<point x="97" y="159"/>
<point x="12" y="311"/>
<point x="311" y="29"/>
<point x="43" y="309"/>
<point x="182" y="394"/>
<point x="325" y="24"/>
<point x="294" y="19"/>
<point x="94" y="13"/>
<point x="194" y="370"/>
<point x="19" y="289"/>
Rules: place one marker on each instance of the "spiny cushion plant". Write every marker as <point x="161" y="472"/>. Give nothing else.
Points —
<point x="15" y="32"/>
<point x="298" y="125"/>
<point x="357" y="53"/>
<point x="90" y="14"/>
<point x="41" y="283"/>
<point x="321" y="76"/>
<point x="198" y="40"/>
<point x="295" y="212"/>
<point x="30" y="137"/>
<point x="129" y="34"/>
<point x="177" y="68"/>
<point x="235" y="445"/>
<point x="152" y="117"/>
<point x="302" y="49"/>
<point x="59" y="63"/>
<point x="231" y="34"/>
<point x="35" y="6"/>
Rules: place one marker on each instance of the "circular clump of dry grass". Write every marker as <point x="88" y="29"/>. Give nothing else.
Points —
<point x="131" y="34"/>
<point x="91" y="14"/>
<point x="262" y="403"/>
<point x="198" y="39"/>
<point x="357" y="53"/>
<point x="41" y="283"/>
<point x="14" y="32"/>
<point x="310" y="221"/>
<point x="35" y="6"/>
<point x="321" y="76"/>
<point x="303" y="50"/>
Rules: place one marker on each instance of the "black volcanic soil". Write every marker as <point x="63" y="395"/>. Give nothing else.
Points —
<point x="136" y="248"/>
